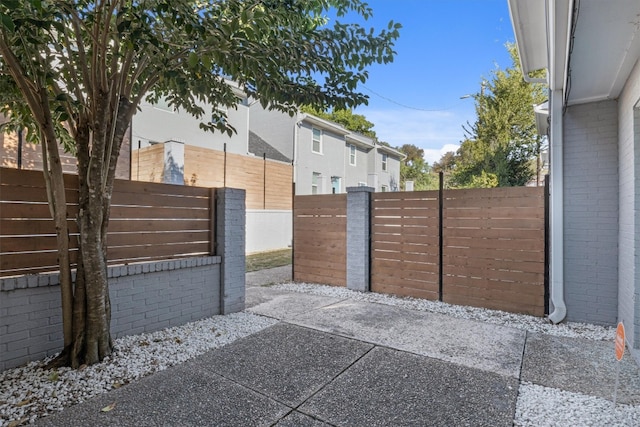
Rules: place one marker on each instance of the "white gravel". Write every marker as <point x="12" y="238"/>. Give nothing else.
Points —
<point x="519" y="321"/>
<point x="539" y="406"/>
<point x="29" y="392"/>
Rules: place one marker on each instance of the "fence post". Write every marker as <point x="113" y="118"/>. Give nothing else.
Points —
<point x="230" y="242"/>
<point x="359" y="238"/>
<point x="440" y="236"/>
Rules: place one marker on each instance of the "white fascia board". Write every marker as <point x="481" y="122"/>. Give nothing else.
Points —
<point x="529" y="21"/>
<point x="324" y="124"/>
<point x="360" y="140"/>
<point x="391" y="151"/>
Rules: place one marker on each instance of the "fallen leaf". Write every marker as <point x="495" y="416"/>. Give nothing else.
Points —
<point x="54" y="377"/>
<point x="19" y="422"/>
<point x="178" y="340"/>
<point x="144" y="343"/>
<point x="24" y="402"/>
<point x="116" y="385"/>
<point x="108" y="407"/>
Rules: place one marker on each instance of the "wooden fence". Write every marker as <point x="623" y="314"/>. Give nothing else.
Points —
<point x="480" y="247"/>
<point x="494" y="248"/>
<point x="148" y="222"/>
<point x="320" y="230"/>
<point x="262" y="179"/>
<point x="404" y="246"/>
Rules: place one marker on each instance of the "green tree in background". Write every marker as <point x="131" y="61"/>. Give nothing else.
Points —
<point x="415" y="168"/>
<point x="502" y="144"/>
<point x="74" y="72"/>
<point x="345" y="117"/>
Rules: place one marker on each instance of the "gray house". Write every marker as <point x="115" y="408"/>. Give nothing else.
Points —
<point x="327" y="158"/>
<point x="160" y="123"/>
<point x="590" y="50"/>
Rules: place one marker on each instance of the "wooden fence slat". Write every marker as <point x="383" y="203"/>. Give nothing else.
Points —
<point x="148" y="221"/>
<point x="159" y="225"/>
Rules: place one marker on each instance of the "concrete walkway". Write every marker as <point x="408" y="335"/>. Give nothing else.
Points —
<point x="341" y="362"/>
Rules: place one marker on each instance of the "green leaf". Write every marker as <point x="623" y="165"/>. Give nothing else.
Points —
<point x="7" y="23"/>
<point x="193" y="59"/>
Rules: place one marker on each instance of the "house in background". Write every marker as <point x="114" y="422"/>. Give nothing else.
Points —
<point x="17" y="153"/>
<point x="159" y="133"/>
<point x="590" y="50"/>
<point x="327" y="158"/>
<point x="170" y="147"/>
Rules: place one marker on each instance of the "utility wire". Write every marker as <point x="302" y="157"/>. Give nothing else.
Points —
<point x="404" y="105"/>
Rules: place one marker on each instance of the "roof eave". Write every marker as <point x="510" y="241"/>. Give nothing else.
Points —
<point x="528" y="18"/>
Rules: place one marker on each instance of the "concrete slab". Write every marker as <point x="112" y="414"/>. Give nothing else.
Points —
<point x="183" y="395"/>
<point x="392" y="388"/>
<point x="485" y="346"/>
<point x="287" y="306"/>
<point x="297" y="419"/>
<point x="268" y="276"/>
<point x="581" y="366"/>
<point x="257" y="295"/>
<point x="285" y="362"/>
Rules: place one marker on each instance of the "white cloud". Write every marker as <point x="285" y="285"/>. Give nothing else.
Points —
<point x="436" y="132"/>
<point x="433" y="154"/>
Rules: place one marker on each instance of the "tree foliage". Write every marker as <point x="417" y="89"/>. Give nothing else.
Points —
<point x="503" y="143"/>
<point x="74" y="73"/>
<point x="345" y="117"/>
<point x="415" y="168"/>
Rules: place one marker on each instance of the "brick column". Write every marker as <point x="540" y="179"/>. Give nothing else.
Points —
<point x="358" y="236"/>
<point x="230" y="242"/>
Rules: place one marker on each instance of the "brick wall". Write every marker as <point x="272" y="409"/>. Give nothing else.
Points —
<point x="629" y="188"/>
<point x="144" y="298"/>
<point x="591" y="212"/>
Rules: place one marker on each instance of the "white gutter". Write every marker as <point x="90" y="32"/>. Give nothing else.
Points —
<point x="557" y="214"/>
<point x="560" y="17"/>
<point x="529" y="79"/>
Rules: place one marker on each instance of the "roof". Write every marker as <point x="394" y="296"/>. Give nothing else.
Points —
<point x="324" y="124"/>
<point x="589" y="47"/>
<point x="260" y="148"/>
<point x="360" y="140"/>
<point x="390" y="150"/>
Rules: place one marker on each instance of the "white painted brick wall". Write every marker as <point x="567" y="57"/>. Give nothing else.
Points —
<point x="591" y="212"/>
<point x="358" y="229"/>
<point x="144" y="298"/>
<point x="629" y="190"/>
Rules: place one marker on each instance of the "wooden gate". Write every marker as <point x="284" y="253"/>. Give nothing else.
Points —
<point x="320" y="239"/>
<point x="404" y="243"/>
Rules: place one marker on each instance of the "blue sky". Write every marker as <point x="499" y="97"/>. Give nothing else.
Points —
<point x="445" y="49"/>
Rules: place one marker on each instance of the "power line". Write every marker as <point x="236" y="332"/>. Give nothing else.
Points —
<point x="404" y="105"/>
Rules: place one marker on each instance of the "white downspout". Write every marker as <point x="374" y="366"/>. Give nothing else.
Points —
<point x="557" y="209"/>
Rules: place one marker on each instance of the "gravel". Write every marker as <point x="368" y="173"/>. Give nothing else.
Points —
<point x="518" y="321"/>
<point x="539" y="406"/>
<point x="29" y="392"/>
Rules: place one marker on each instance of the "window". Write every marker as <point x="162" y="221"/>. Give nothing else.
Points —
<point x="315" y="179"/>
<point x="317" y="141"/>
<point x="336" y="184"/>
<point x="223" y="111"/>
<point x="163" y="104"/>
<point x="352" y="154"/>
<point x="384" y="162"/>
<point x="385" y="188"/>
